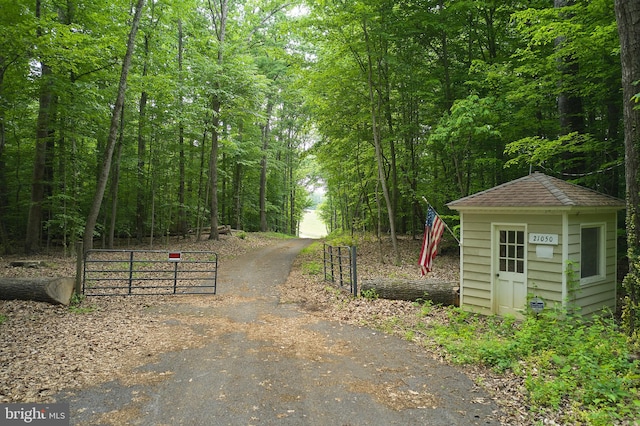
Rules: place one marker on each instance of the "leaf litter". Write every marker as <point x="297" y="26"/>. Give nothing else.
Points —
<point x="45" y="349"/>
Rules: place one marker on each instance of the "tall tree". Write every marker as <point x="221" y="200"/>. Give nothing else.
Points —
<point x="182" y="213"/>
<point x="628" y="18"/>
<point x="265" y="136"/>
<point x="44" y="139"/>
<point x="375" y="104"/>
<point x="94" y="211"/>
<point x="219" y="10"/>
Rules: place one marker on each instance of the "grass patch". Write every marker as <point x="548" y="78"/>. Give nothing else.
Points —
<point x="312" y="268"/>
<point x="276" y="235"/>
<point x="313" y="248"/>
<point x="3" y="319"/>
<point x="76" y="305"/>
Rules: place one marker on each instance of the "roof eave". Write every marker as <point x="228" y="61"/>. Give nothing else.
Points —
<point x="535" y="209"/>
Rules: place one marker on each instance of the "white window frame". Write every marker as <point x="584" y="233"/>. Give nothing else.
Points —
<point x="602" y="266"/>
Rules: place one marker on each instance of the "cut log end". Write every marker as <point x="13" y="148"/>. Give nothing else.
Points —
<point x="42" y="289"/>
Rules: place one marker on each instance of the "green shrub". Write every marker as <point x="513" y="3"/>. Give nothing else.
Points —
<point x="369" y="294"/>
<point x="560" y="358"/>
<point x="341" y="239"/>
<point x="3" y="319"/>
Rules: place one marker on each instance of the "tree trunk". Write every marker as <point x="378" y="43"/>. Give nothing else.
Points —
<point x="141" y="206"/>
<point x="182" y="214"/>
<point x="40" y="289"/>
<point x="219" y="11"/>
<point x="237" y="183"/>
<point x="445" y="293"/>
<point x="115" y="182"/>
<point x="570" y="106"/>
<point x="92" y="218"/>
<point x="378" y="147"/>
<point x="628" y="18"/>
<point x="213" y="168"/>
<point x="43" y="134"/>
<point x="202" y="189"/>
<point x="263" y="168"/>
<point x="4" y="199"/>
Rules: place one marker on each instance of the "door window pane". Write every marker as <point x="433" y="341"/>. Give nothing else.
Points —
<point x="511" y="251"/>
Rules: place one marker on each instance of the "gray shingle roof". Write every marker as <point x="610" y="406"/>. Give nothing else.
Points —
<point x="538" y="190"/>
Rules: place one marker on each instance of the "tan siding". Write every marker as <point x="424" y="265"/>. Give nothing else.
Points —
<point x="600" y="289"/>
<point x="484" y="252"/>
<point x="594" y="298"/>
<point x="478" y="293"/>
<point x="476" y="305"/>
<point x="482" y="268"/>
<point x="475" y="284"/>
<point x="476" y="287"/>
<point x="545" y="270"/>
<point x="544" y="276"/>
<point x="474" y="238"/>
<point x="548" y="286"/>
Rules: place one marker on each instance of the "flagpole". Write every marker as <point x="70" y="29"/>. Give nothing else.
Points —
<point x="445" y="223"/>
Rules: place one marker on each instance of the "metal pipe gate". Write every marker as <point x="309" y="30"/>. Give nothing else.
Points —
<point x="340" y="266"/>
<point x="149" y="272"/>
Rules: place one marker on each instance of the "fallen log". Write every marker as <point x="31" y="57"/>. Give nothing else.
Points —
<point x="439" y="292"/>
<point x="28" y="263"/>
<point x="224" y="229"/>
<point x="40" y="289"/>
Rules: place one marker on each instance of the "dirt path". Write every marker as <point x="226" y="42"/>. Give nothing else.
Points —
<point x="267" y="363"/>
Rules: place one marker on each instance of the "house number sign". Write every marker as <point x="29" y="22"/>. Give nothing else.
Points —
<point x="549" y="239"/>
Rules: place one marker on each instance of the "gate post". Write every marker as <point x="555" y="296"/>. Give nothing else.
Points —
<point x="324" y="260"/>
<point x="354" y="271"/>
<point x="130" y="271"/>
<point x="79" y="267"/>
<point x="340" y="265"/>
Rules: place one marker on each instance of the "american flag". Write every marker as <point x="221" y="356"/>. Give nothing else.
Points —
<point x="433" y="229"/>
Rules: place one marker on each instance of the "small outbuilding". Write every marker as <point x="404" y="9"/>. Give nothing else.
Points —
<point x="540" y="238"/>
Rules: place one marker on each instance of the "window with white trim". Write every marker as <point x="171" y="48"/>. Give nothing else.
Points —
<point x="592" y="253"/>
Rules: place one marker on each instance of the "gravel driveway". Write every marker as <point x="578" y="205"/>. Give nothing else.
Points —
<point x="267" y="363"/>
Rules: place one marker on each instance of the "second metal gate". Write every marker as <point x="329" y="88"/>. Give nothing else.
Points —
<point x="340" y="267"/>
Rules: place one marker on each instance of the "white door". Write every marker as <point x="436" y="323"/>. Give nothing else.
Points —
<point x="510" y="286"/>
